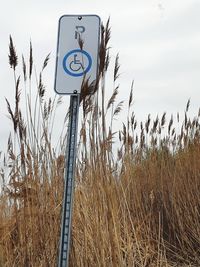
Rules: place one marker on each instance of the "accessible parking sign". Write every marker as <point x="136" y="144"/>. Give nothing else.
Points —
<point x="77" y="52"/>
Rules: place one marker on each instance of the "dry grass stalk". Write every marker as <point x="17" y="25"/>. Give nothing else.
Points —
<point x="139" y="208"/>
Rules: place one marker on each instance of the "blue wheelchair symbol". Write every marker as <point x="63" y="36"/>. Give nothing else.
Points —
<point x="74" y="62"/>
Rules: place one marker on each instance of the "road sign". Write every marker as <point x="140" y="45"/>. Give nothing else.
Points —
<point x="77" y="61"/>
<point x="77" y="52"/>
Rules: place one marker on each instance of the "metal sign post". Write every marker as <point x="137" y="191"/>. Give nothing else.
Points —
<point x="75" y="63"/>
<point x="69" y="181"/>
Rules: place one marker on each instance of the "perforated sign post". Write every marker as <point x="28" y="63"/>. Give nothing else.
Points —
<point x="76" y="62"/>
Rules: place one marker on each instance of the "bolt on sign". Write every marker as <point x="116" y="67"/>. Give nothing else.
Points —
<point x="77" y="52"/>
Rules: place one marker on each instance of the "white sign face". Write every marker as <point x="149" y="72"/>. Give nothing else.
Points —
<point x="77" y="52"/>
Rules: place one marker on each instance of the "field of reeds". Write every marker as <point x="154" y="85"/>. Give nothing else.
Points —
<point x="137" y="200"/>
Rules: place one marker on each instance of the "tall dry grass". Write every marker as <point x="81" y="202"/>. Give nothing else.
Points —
<point x="139" y="206"/>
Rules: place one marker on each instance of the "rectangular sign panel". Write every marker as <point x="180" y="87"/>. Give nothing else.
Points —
<point x="77" y="52"/>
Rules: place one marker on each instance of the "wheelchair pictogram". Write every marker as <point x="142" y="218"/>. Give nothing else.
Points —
<point x="77" y="62"/>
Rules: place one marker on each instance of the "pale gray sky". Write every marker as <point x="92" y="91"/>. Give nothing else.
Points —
<point x="158" y="42"/>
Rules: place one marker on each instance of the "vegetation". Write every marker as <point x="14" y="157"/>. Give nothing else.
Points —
<point x="137" y="200"/>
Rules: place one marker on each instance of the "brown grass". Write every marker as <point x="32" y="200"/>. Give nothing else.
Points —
<point x="137" y="207"/>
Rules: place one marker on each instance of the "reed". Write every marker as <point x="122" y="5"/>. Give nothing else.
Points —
<point x="137" y="200"/>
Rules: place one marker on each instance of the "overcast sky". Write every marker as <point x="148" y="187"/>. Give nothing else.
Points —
<point x="158" y="43"/>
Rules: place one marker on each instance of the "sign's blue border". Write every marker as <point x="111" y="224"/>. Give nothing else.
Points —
<point x="80" y="73"/>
